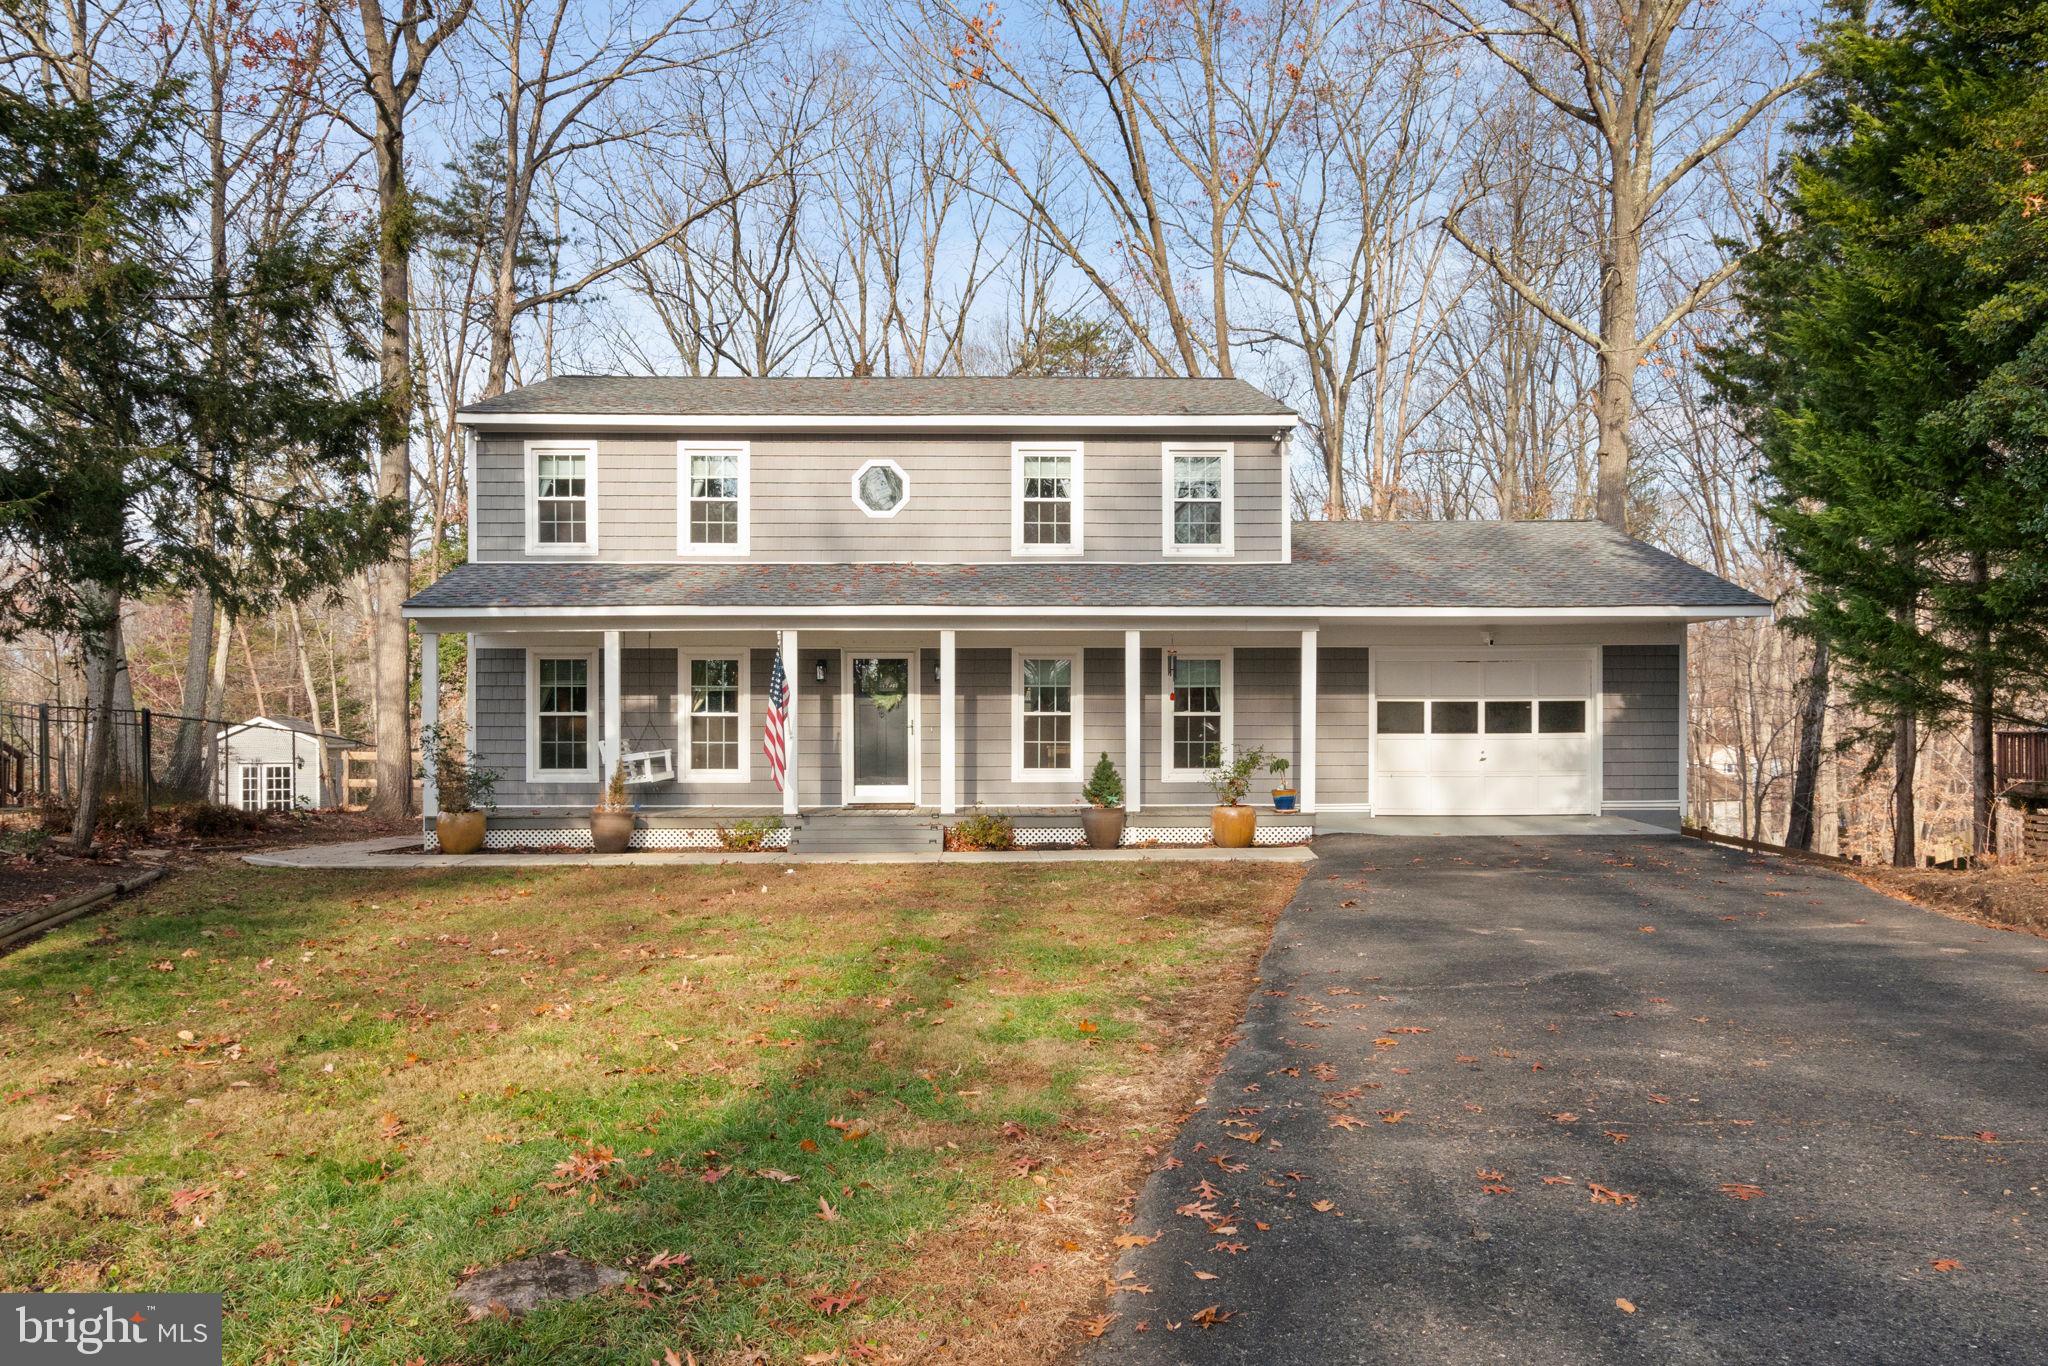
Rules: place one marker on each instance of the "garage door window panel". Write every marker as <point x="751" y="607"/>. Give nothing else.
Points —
<point x="1454" y="718"/>
<point x="1561" y="717"/>
<point x="1508" y="718"/>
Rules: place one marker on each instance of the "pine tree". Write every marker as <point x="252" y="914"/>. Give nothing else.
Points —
<point x="1884" y="369"/>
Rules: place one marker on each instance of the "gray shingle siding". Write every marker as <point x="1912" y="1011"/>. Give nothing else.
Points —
<point x="1343" y="726"/>
<point x="1639" y="700"/>
<point x="801" y="503"/>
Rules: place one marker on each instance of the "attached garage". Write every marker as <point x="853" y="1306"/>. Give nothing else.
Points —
<point x="1486" y="732"/>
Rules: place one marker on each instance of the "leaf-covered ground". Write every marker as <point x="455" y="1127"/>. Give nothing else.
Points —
<point x="838" y="1112"/>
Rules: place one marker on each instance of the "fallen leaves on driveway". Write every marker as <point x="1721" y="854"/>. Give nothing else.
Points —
<point x="1736" y="1190"/>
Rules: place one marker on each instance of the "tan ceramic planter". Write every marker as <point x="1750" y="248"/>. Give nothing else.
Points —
<point x="611" y="831"/>
<point x="462" y="833"/>
<point x="1233" y="826"/>
<point x="1104" y="826"/>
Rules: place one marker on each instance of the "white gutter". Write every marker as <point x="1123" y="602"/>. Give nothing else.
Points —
<point x="995" y="422"/>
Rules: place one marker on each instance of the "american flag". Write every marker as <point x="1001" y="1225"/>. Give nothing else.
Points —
<point x="778" y="717"/>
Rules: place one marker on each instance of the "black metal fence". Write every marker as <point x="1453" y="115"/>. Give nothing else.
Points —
<point x="43" y="749"/>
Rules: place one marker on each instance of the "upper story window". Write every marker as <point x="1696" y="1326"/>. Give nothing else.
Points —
<point x="561" y="498"/>
<point x="712" y="480"/>
<point x="1045" y="498"/>
<point x="880" y="488"/>
<point x="1196" y="499"/>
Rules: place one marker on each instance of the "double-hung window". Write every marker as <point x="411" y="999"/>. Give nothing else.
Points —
<point x="1196" y="498"/>
<point x="1198" y="728"/>
<point x="1045" y="498"/>
<point x="561" y="498"/>
<point x="714" y="717"/>
<point x="561" y="741"/>
<point x="712" y="481"/>
<point x="1046" y="731"/>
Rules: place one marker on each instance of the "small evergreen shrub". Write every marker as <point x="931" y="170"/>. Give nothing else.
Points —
<point x="1105" y="786"/>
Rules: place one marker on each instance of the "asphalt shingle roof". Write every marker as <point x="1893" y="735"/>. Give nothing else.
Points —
<point x="1336" y="564"/>
<point x="878" y="397"/>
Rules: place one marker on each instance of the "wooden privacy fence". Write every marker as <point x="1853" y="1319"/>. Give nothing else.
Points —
<point x="2021" y="758"/>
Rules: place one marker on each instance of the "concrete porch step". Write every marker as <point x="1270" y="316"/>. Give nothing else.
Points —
<point x="864" y="832"/>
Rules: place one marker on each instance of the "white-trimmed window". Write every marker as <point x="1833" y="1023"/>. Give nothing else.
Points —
<point x="1045" y="730"/>
<point x="252" y="787"/>
<point x="714" y="702"/>
<point x="1045" y="498"/>
<point x="880" y="488"/>
<point x="561" y="498"/>
<point x="712" y="482"/>
<point x="267" y="787"/>
<point x="561" y="740"/>
<point x="1196" y="499"/>
<point x="1197" y="721"/>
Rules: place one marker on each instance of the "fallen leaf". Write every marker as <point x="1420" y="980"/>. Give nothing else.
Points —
<point x="1625" y="1306"/>
<point x="1946" y="1264"/>
<point x="1603" y="1195"/>
<point x="1133" y="1240"/>
<point x="1205" y="1275"/>
<point x="1212" y="1315"/>
<point x="1736" y="1190"/>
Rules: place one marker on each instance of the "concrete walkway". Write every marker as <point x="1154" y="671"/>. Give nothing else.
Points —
<point x="1459" y="827"/>
<point x="403" y="851"/>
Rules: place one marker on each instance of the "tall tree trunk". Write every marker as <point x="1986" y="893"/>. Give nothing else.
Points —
<point x="216" y="700"/>
<point x="391" y="581"/>
<point x="188" y="749"/>
<point x="306" y="683"/>
<point x="1905" y="760"/>
<point x="249" y="657"/>
<point x="1813" y="715"/>
<point x="1983" y="780"/>
<point x="103" y="655"/>
<point x="1614" y="400"/>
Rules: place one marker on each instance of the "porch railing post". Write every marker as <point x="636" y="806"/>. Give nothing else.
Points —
<point x="430" y="716"/>
<point x="792" y="747"/>
<point x="1134" y="724"/>
<point x="1305" y="782"/>
<point x="949" y="759"/>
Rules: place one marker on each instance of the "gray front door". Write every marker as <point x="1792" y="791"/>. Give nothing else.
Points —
<point x="884" y="697"/>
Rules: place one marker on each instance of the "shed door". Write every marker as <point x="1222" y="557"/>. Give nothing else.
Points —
<point x="1488" y="734"/>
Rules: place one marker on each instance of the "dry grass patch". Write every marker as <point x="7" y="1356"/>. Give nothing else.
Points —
<point x="884" y="1112"/>
<point x="2011" y="896"/>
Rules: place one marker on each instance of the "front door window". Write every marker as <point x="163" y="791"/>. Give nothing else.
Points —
<point x="882" y="703"/>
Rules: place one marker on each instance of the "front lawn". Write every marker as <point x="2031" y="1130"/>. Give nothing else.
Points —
<point x="875" y="1111"/>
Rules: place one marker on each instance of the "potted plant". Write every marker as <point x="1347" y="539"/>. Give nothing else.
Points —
<point x="1103" y="821"/>
<point x="1283" y="795"/>
<point x="611" y="820"/>
<point x="1231" y="822"/>
<point x="463" y="788"/>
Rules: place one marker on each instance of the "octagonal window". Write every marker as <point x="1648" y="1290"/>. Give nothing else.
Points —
<point x="880" y="488"/>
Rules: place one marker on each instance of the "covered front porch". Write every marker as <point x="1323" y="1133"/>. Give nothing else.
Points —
<point x="891" y="732"/>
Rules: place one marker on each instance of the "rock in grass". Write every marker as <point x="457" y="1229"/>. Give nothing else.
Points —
<point x="522" y="1286"/>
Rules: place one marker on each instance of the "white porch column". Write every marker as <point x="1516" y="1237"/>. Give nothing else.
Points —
<point x="609" y="748"/>
<point x="1305" y="781"/>
<point x="1134" y="725"/>
<point x="949" y="758"/>
<point x="430" y="715"/>
<point x="792" y="671"/>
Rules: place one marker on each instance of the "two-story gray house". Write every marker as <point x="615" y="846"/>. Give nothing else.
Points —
<point x="977" y="586"/>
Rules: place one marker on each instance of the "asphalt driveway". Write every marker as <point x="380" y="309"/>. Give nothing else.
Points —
<point x="1569" y="1100"/>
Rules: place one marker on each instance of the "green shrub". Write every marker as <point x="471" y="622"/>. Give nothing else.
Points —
<point x="749" y="836"/>
<point x="212" y="821"/>
<point x="1105" y="786"/>
<point x="985" y="830"/>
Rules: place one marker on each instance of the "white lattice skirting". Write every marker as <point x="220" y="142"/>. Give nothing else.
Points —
<point x="578" y="837"/>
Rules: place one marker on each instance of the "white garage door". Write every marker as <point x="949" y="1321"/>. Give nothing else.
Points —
<point x="1483" y="735"/>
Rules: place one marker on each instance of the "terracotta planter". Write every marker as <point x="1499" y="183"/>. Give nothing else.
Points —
<point x="611" y="831"/>
<point x="461" y="832"/>
<point x="1233" y="826"/>
<point x="1104" y="826"/>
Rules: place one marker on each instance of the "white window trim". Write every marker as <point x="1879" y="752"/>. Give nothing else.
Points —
<point x="593" y="709"/>
<point x="1167" y="772"/>
<point x="291" y="786"/>
<point x="1019" y="450"/>
<point x="684" y="450"/>
<point x="1167" y="451"/>
<point x="1072" y="772"/>
<point x="244" y="773"/>
<point x="853" y="488"/>
<point x="531" y="497"/>
<point x="686" y="771"/>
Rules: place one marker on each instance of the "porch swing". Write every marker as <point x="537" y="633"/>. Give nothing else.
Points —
<point x="644" y="764"/>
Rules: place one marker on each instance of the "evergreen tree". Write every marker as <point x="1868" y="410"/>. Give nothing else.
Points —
<point x="118" y="421"/>
<point x="1884" y="368"/>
